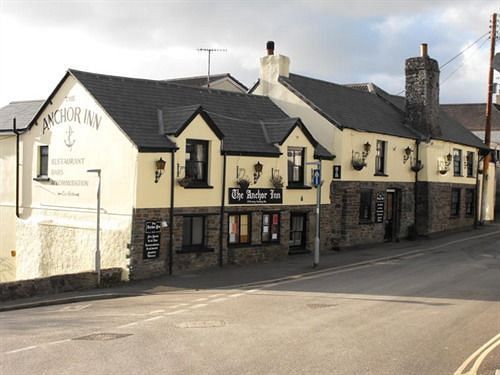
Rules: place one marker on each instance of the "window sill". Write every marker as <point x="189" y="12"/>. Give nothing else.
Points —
<point x="299" y="187"/>
<point x="198" y="186"/>
<point x="42" y="179"/>
<point x="381" y="175"/>
<point x="238" y="245"/>
<point x="195" y="249"/>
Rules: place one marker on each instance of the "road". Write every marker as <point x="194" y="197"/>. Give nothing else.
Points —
<point x="435" y="311"/>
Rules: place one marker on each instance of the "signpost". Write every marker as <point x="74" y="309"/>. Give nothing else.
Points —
<point x="316" y="181"/>
<point x="98" y="229"/>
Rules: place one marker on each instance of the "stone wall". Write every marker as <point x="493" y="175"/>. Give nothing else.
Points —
<point x="346" y="228"/>
<point x="434" y="208"/>
<point x="212" y="254"/>
<point x="58" y="284"/>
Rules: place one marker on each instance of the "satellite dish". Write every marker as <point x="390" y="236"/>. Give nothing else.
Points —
<point x="496" y="62"/>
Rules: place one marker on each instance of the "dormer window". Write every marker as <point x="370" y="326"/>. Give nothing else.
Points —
<point x="197" y="161"/>
<point x="296" y="166"/>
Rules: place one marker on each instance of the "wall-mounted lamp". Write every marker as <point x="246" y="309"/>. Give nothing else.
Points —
<point x="407" y="154"/>
<point x="366" y="149"/>
<point x="448" y="159"/>
<point x="160" y="168"/>
<point x="258" y="171"/>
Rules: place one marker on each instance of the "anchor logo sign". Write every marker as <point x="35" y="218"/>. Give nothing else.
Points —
<point x="69" y="141"/>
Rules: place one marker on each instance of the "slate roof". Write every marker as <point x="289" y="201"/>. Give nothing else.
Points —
<point x="146" y="110"/>
<point x="348" y="107"/>
<point x="23" y="111"/>
<point x="201" y="81"/>
<point x="473" y="115"/>
<point x="366" y="107"/>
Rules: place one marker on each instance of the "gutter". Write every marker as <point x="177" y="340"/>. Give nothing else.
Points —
<point x="17" y="133"/>
<point x="415" y="189"/>
<point x="222" y="206"/>
<point x="171" y="218"/>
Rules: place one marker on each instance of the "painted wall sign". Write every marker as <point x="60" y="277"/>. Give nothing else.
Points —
<point x="379" y="207"/>
<point x="337" y="169"/>
<point x="255" y="196"/>
<point x="77" y="115"/>
<point x="152" y="236"/>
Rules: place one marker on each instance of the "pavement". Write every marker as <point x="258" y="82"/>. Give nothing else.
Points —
<point x="232" y="276"/>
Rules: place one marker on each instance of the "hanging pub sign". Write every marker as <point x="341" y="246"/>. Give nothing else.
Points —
<point x="255" y="196"/>
<point x="379" y="207"/>
<point x="151" y="239"/>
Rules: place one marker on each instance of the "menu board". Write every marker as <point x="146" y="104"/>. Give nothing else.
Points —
<point x="152" y="236"/>
<point x="379" y="207"/>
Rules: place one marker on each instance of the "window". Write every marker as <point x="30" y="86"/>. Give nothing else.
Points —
<point x="365" y="205"/>
<point x="469" y="202"/>
<point x="457" y="162"/>
<point x="296" y="166"/>
<point x="470" y="164"/>
<point x="43" y="166"/>
<point x="380" y="158"/>
<point x="455" y="202"/>
<point x="193" y="231"/>
<point x="271" y="227"/>
<point x="239" y="229"/>
<point x="197" y="161"/>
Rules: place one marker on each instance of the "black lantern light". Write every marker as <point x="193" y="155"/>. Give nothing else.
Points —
<point x="160" y="168"/>
<point x="258" y="171"/>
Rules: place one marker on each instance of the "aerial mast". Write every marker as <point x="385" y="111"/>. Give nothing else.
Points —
<point x="210" y="50"/>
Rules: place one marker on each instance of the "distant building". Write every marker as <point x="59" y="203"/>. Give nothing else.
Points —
<point x="223" y="81"/>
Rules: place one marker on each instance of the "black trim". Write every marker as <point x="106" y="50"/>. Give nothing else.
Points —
<point x="41" y="179"/>
<point x="146" y="149"/>
<point x="200" y="111"/>
<point x="250" y="153"/>
<point x="299" y="187"/>
<point x="198" y="186"/>
<point x="194" y="249"/>
<point x="381" y="175"/>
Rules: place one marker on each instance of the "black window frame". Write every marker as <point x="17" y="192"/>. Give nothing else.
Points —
<point x="470" y="163"/>
<point x="190" y="245"/>
<point x="43" y="161"/>
<point x="270" y="225"/>
<point x="190" y="163"/>
<point x="239" y="215"/>
<point x="380" y="158"/>
<point x="365" y="205"/>
<point x="290" y="165"/>
<point x="455" y="202"/>
<point x="470" y="202"/>
<point x="457" y="162"/>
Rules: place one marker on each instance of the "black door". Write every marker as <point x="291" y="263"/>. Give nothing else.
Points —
<point x="392" y="210"/>
<point x="297" y="241"/>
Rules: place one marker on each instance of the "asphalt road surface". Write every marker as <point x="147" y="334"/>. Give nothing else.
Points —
<point x="432" y="312"/>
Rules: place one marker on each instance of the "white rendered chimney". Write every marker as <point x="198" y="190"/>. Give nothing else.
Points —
<point x="271" y="67"/>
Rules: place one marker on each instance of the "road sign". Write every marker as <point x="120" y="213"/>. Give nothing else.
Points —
<point x="316" y="177"/>
<point x="496" y="62"/>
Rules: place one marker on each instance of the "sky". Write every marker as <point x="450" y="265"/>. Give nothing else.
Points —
<point x="338" y="41"/>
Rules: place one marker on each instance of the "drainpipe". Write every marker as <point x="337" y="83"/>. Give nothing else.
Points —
<point x="476" y="206"/>
<point x="171" y="219"/>
<point x="415" y="190"/>
<point x="17" y="133"/>
<point x="223" y="199"/>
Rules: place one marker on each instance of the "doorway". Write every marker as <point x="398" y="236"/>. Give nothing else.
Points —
<point x="392" y="216"/>
<point x="297" y="242"/>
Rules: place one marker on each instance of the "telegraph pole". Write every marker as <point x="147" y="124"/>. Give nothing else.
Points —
<point x="210" y="50"/>
<point x="487" y="131"/>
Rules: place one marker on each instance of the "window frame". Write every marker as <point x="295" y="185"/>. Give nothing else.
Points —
<point x="270" y="225"/>
<point x="457" y="162"/>
<point x="43" y="162"/>
<point x="290" y="166"/>
<point x="249" y="228"/>
<point x="470" y="163"/>
<point x="363" y="219"/>
<point x="192" y="246"/>
<point x="455" y="204"/>
<point x="205" y="163"/>
<point x="381" y="158"/>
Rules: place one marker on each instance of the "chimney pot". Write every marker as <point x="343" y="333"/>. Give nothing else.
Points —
<point x="423" y="50"/>
<point x="270" y="47"/>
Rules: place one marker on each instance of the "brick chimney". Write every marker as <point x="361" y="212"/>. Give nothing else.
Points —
<point x="422" y="94"/>
<point x="271" y="67"/>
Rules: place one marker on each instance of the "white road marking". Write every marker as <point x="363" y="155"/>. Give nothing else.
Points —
<point x="128" y="325"/>
<point x="153" y="318"/>
<point x="485" y="350"/>
<point x="219" y="299"/>
<point x="176" y="312"/>
<point x="74" y="308"/>
<point x="252" y="290"/>
<point x="57" y="342"/>
<point x="200" y="299"/>
<point x="236" y="295"/>
<point x="21" y="350"/>
<point x="215" y="295"/>
<point x="198" y="306"/>
<point x="156" y="312"/>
